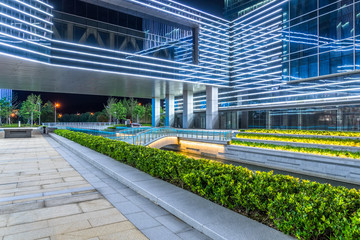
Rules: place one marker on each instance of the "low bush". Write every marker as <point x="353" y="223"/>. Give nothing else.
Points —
<point x="328" y="141"/>
<point x="305" y="132"/>
<point x="307" y="210"/>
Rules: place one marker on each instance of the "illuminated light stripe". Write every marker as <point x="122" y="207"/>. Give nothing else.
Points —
<point x="45" y="4"/>
<point x="302" y="94"/>
<point x="250" y="72"/>
<point x="264" y="46"/>
<point x="184" y="11"/>
<point x="32" y="7"/>
<point x="25" y="13"/>
<point x="175" y="14"/>
<point x="259" y="12"/>
<point x="254" y="23"/>
<point x="21" y="30"/>
<point x="259" y="59"/>
<point x="247" y="89"/>
<point x="108" y="50"/>
<point x="214" y="53"/>
<point x="212" y="42"/>
<point x="202" y="45"/>
<point x="265" y="75"/>
<point x="255" y="37"/>
<point x="27" y="23"/>
<point x="95" y="55"/>
<point x="257" y="42"/>
<point x="253" y="74"/>
<point x="222" y="19"/>
<point x="296" y="89"/>
<point x="104" y="71"/>
<point x="256" y="65"/>
<point x="213" y="37"/>
<point x="256" y="31"/>
<point x="270" y="50"/>
<point x="105" y="64"/>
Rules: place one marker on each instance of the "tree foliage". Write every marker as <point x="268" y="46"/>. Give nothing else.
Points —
<point x="5" y="109"/>
<point x="30" y="107"/>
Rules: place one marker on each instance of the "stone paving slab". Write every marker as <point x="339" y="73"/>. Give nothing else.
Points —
<point x="139" y="210"/>
<point x="43" y="197"/>
<point x="209" y="218"/>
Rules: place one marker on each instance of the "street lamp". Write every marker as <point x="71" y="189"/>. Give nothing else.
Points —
<point x="56" y="106"/>
<point x="115" y="118"/>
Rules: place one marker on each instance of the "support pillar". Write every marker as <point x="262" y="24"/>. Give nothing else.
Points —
<point x="170" y="110"/>
<point x="268" y="119"/>
<point x="188" y="109"/>
<point x="70" y="32"/>
<point x="300" y="119"/>
<point x="155" y="112"/>
<point x="212" y="108"/>
<point x="339" y="119"/>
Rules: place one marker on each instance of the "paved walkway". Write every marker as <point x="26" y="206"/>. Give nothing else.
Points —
<point x="43" y="197"/>
<point x="47" y="192"/>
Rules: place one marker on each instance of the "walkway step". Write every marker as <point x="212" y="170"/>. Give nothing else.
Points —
<point x="212" y="219"/>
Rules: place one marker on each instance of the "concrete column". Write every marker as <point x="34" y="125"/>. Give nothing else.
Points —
<point x="112" y="40"/>
<point x="155" y="111"/>
<point x="300" y="119"/>
<point x="170" y="110"/>
<point x="268" y="119"/>
<point x="244" y="119"/>
<point x="285" y="121"/>
<point x="339" y="119"/>
<point x="70" y="32"/>
<point x="212" y="108"/>
<point x="188" y="109"/>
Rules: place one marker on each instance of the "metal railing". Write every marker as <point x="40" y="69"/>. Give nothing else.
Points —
<point x="81" y="125"/>
<point x="146" y="135"/>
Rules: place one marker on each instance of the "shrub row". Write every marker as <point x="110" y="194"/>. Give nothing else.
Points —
<point x="317" y="151"/>
<point x="307" y="210"/>
<point x="309" y="140"/>
<point x="305" y="132"/>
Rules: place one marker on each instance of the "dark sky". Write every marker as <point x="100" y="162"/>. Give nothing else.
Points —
<point x="73" y="103"/>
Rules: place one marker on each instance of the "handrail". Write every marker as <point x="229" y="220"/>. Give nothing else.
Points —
<point x="145" y="135"/>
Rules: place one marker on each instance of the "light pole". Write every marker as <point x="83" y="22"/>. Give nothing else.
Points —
<point x="115" y="119"/>
<point x="56" y="106"/>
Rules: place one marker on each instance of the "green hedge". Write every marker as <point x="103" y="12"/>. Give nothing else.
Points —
<point x="304" y="132"/>
<point x="309" y="140"/>
<point x="307" y="210"/>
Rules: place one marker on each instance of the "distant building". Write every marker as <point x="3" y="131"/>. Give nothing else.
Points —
<point x="6" y="93"/>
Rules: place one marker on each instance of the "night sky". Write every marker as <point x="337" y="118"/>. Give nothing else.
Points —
<point x="76" y="103"/>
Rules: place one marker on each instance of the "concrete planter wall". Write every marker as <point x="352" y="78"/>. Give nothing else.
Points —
<point x="341" y="169"/>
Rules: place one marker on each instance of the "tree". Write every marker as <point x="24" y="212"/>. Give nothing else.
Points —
<point x="148" y="113"/>
<point x="5" y="109"/>
<point x="47" y="112"/>
<point x="130" y="105"/>
<point x="139" y="112"/>
<point x="109" y="107"/>
<point x="30" y="108"/>
<point x="119" y="111"/>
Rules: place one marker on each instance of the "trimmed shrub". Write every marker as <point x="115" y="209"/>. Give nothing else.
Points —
<point x="327" y="141"/>
<point x="307" y="210"/>
<point x="304" y="132"/>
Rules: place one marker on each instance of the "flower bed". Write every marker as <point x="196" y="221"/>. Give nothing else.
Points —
<point x="307" y="210"/>
<point x="327" y="141"/>
<point x="305" y="132"/>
